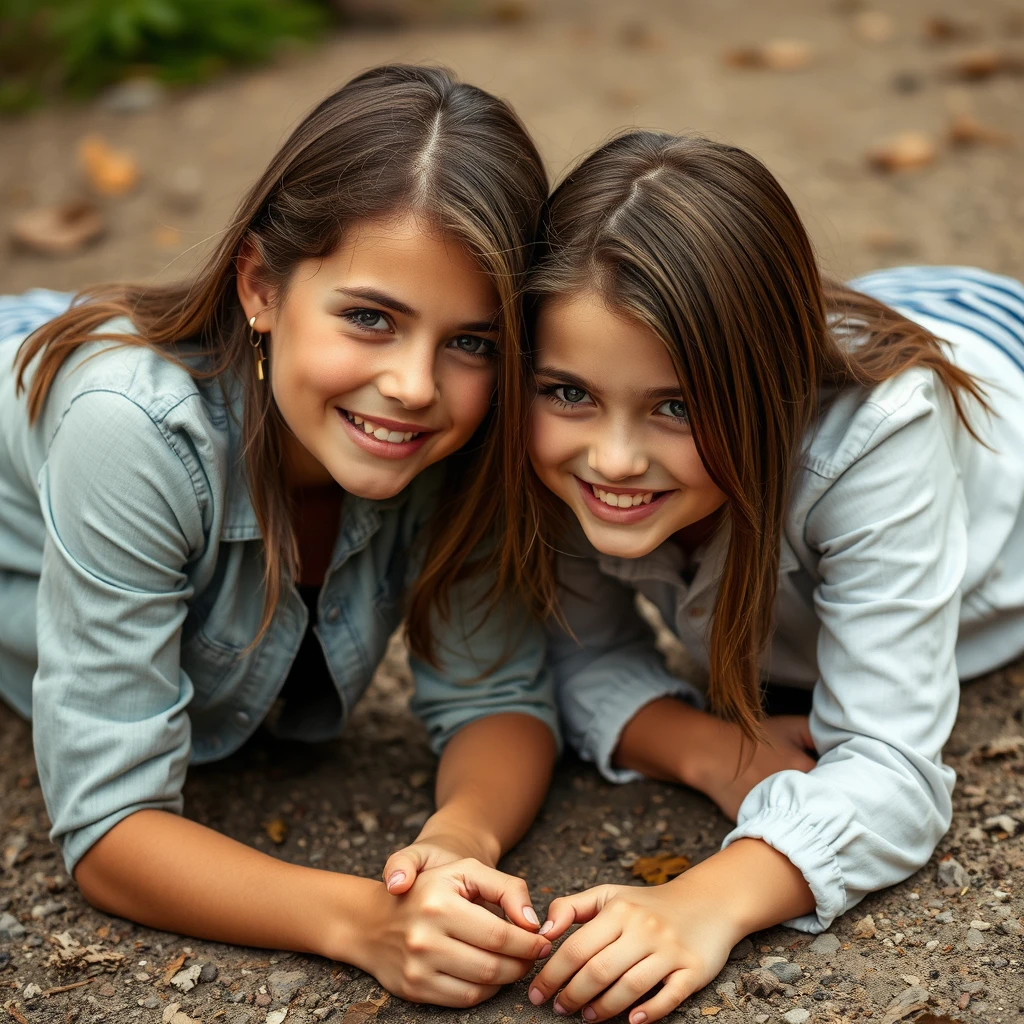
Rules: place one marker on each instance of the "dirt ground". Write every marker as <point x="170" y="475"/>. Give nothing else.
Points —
<point x="948" y="940"/>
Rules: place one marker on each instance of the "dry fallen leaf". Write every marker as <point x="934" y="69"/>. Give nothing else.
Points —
<point x="361" y="1013"/>
<point x="110" y="172"/>
<point x="930" y="1018"/>
<point x="659" y="869"/>
<point x="943" y="29"/>
<point x="70" y="954"/>
<point x="904" y="152"/>
<point x="171" y="970"/>
<point x="986" y="62"/>
<point x="710" y="1011"/>
<point x="1001" y="746"/>
<point x="775" y="55"/>
<point x="277" y="830"/>
<point x="16" y="1014"/>
<point x="60" y="229"/>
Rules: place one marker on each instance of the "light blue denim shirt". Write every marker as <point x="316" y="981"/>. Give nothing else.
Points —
<point x="902" y="570"/>
<point x="131" y="585"/>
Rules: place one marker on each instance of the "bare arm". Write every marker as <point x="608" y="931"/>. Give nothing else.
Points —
<point x="491" y="781"/>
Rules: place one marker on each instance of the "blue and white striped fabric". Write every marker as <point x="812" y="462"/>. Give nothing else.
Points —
<point x="990" y="305"/>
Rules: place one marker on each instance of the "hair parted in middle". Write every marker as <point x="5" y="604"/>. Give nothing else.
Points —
<point x="697" y="241"/>
<point x="395" y="140"/>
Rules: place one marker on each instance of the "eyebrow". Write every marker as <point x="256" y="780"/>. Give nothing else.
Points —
<point x="397" y="306"/>
<point x="565" y="377"/>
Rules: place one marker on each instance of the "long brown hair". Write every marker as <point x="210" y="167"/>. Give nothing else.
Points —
<point x="698" y="242"/>
<point x="396" y="139"/>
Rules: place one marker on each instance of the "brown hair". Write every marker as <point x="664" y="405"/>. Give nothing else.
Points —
<point x="396" y="139"/>
<point x="698" y="242"/>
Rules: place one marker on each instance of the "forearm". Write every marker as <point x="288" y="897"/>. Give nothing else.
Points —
<point x="166" y="872"/>
<point x="663" y="741"/>
<point x="491" y="781"/>
<point x="754" y="886"/>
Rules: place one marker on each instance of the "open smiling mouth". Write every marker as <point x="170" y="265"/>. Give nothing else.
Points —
<point x="380" y="432"/>
<point x="621" y="505"/>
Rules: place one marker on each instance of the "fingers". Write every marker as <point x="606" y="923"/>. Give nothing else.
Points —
<point x="478" y="966"/>
<point x="633" y="985"/>
<point x="566" y="911"/>
<point x="477" y="926"/>
<point x="573" y="955"/>
<point x="679" y="985"/>
<point x="444" y="990"/>
<point x="607" y="969"/>
<point x="508" y="891"/>
<point x="401" y="870"/>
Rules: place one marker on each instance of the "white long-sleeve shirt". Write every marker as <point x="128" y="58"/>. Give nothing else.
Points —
<point x="902" y="571"/>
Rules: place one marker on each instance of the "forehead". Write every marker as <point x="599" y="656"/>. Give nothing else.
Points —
<point x="581" y="334"/>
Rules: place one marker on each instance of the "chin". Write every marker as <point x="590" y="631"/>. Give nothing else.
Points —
<point x="621" y="541"/>
<point x="373" y="486"/>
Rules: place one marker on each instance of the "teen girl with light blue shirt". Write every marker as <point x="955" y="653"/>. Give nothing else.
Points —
<point x="816" y="485"/>
<point x="226" y="494"/>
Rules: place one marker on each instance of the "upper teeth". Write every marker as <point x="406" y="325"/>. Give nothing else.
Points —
<point x="624" y="500"/>
<point x="381" y="433"/>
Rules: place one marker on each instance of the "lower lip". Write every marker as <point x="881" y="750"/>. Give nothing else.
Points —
<point x="383" y="449"/>
<point x="619" y="516"/>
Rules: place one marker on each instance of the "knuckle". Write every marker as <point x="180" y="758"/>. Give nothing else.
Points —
<point x="573" y="951"/>
<point x="489" y="971"/>
<point x="470" y="996"/>
<point x="497" y="936"/>
<point x="433" y="905"/>
<point x="417" y="939"/>
<point x="414" y="975"/>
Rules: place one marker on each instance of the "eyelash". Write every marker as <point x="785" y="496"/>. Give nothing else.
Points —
<point x="549" y="391"/>
<point x="351" y="315"/>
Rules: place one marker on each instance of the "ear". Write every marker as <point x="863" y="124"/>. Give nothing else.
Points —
<point x="256" y="296"/>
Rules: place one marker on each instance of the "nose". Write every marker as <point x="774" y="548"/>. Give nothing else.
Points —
<point x="409" y="377"/>
<point x="616" y="454"/>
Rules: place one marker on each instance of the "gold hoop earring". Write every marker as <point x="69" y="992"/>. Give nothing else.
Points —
<point x="256" y="340"/>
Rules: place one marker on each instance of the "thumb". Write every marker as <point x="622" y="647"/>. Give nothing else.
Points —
<point x="401" y="870"/>
<point x="566" y="911"/>
<point x="507" y="891"/>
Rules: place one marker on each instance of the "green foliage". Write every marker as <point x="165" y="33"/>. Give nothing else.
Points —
<point x="79" y="46"/>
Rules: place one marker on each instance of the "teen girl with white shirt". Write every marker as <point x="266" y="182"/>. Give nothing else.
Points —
<point x="224" y="494"/>
<point x="814" y="490"/>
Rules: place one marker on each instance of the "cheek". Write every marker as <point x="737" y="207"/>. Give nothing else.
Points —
<point x="469" y="396"/>
<point x="550" y="441"/>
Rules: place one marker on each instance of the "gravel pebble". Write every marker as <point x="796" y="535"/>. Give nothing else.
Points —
<point x="796" y="1016"/>
<point x="790" y="974"/>
<point x="975" y="939"/>
<point x="208" y="974"/>
<point x="30" y="991"/>
<point x="1010" y="926"/>
<point x="825" y="944"/>
<point x="742" y="950"/>
<point x="10" y="927"/>
<point x="187" y="979"/>
<point x="284" y="984"/>
<point x="951" y="872"/>
<point x="44" y="910"/>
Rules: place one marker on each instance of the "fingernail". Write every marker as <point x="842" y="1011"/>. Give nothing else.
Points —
<point x="531" y="915"/>
<point x="536" y="996"/>
<point x="638" y="1018"/>
<point x="545" y="950"/>
<point x="396" y="879"/>
<point x="560" y="1009"/>
<point x="546" y="927"/>
<point x="589" y="1013"/>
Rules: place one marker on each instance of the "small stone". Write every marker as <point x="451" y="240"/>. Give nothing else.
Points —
<point x="169" y="1011"/>
<point x="982" y="926"/>
<point x="263" y="999"/>
<point x="133" y="96"/>
<point x="728" y="991"/>
<point x="761" y="982"/>
<point x="974" y="988"/>
<point x="907" y="1002"/>
<point x="864" y="928"/>
<point x="11" y="928"/>
<point x="999" y="896"/>
<point x="612" y="830"/>
<point x="789" y="974"/>
<point x="1001" y="823"/>
<point x="208" y="974"/>
<point x="931" y="944"/>
<point x="31" y="991"/>
<point x="368" y="821"/>
<point x="106" y="989"/>
<point x="975" y="940"/>
<point x="768" y="961"/>
<point x="5" y="959"/>
<point x="825" y="944"/>
<point x="946" y="917"/>
<point x="1010" y="926"/>
<point x="323" y="1012"/>
<point x="284" y="985"/>
<point x="796" y="1016"/>
<point x="742" y="950"/>
<point x="186" y="980"/>
<point x="151" y="1002"/>
<point x="277" y="1016"/>
<point x="951" y="872"/>
<point x="44" y="910"/>
<point x="761" y="1018"/>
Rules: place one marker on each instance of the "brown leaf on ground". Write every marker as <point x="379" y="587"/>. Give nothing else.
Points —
<point x="659" y="869"/>
<point x="943" y="29"/>
<point x="60" y="229"/>
<point x="276" y="830"/>
<point x="360" y="1013"/>
<point x="171" y="970"/>
<point x="930" y="1018"/>
<point x="1001" y="746"/>
<point x="110" y="172"/>
<point x="70" y="954"/>
<point x="710" y="1011"/>
<point x="15" y="1013"/>
<point x="986" y="62"/>
<point x="965" y="130"/>
<point x="904" y="152"/>
<point x="775" y="55"/>
<point x="864" y="928"/>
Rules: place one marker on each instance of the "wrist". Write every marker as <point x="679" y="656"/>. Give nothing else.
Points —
<point x="357" y="910"/>
<point x="448" y="829"/>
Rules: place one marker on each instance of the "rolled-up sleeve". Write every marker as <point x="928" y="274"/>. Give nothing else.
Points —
<point x="122" y="518"/>
<point x="606" y="665"/>
<point x="891" y="532"/>
<point x="490" y="661"/>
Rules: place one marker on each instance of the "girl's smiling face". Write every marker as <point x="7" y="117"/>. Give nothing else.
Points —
<point x="381" y="356"/>
<point x="609" y="433"/>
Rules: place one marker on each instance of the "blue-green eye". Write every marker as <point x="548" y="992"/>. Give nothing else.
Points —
<point x="674" y="408"/>
<point x="473" y="346"/>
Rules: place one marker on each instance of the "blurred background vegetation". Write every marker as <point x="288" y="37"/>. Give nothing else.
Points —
<point x="76" y="47"/>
